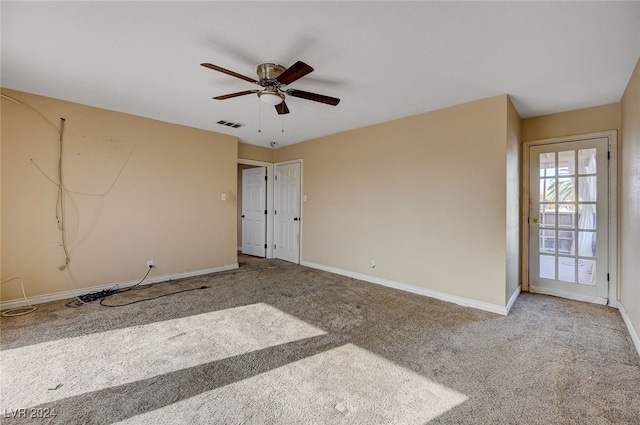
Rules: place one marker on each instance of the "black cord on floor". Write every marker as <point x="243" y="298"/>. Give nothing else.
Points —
<point x="105" y="293"/>
<point x="149" y="299"/>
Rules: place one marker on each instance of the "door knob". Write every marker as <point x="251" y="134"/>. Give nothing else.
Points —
<point x="296" y="219"/>
<point x="242" y="216"/>
<point x="534" y="220"/>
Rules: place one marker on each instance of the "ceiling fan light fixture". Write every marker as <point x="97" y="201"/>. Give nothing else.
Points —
<point x="271" y="97"/>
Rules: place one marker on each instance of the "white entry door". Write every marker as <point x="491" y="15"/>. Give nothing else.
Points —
<point x="254" y="211"/>
<point x="568" y="219"/>
<point x="287" y="212"/>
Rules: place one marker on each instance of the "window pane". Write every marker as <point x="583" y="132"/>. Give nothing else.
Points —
<point x="567" y="269"/>
<point x="587" y="272"/>
<point x="566" y="163"/>
<point x="547" y="190"/>
<point x="587" y="189"/>
<point x="548" y="267"/>
<point x="566" y="190"/>
<point x="548" y="241"/>
<point x="547" y="215"/>
<point x="587" y="216"/>
<point x="547" y="164"/>
<point x="566" y="215"/>
<point x="587" y="161"/>
<point x="565" y="242"/>
<point x="587" y="244"/>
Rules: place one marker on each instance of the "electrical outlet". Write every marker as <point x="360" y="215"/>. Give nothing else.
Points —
<point x="150" y="264"/>
<point x="373" y="264"/>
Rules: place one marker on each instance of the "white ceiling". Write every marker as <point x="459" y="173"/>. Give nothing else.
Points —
<point x="384" y="60"/>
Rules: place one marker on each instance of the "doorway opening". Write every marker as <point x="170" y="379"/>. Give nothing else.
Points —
<point x="255" y="208"/>
<point x="282" y="224"/>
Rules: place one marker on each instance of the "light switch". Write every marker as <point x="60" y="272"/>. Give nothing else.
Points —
<point x="304" y="198"/>
<point x="224" y="196"/>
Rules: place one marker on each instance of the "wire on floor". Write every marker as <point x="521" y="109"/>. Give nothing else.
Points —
<point x="149" y="299"/>
<point x="106" y="293"/>
<point x="12" y="312"/>
<point x="94" y="296"/>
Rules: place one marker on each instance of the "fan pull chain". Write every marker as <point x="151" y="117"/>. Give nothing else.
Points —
<point x="259" y="117"/>
<point x="282" y="116"/>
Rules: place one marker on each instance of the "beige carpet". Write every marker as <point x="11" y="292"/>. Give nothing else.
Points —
<point x="276" y="343"/>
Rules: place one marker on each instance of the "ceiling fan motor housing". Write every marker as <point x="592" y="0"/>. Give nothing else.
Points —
<point x="267" y="74"/>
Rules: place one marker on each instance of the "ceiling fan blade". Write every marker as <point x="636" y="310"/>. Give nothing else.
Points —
<point x="226" y="71"/>
<point x="230" y="95"/>
<point x="313" y="96"/>
<point x="282" y="108"/>
<point x="295" y="71"/>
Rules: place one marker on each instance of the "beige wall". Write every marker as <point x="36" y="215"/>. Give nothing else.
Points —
<point x="630" y="200"/>
<point x="514" y="183"/>
<point x="424" y="196"/>
<point x="256" y="153"/>
<point x="164" y="206"/>
<point x="581" y="121"/>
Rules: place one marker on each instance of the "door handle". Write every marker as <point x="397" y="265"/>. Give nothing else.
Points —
<point x="534" y="220"/>
<point x="242" y="216"/>
<point x="296" y="219"/>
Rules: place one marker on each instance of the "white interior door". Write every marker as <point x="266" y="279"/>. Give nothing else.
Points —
<point x="254" y="211"/>
<point x="287" y="212"/>
<point x="568" y="219"/>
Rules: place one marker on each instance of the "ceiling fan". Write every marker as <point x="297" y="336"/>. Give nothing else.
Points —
<point x="273" y="79"/>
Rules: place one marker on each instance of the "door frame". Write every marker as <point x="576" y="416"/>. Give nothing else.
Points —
<point x="302" y="201"/>
<point x="612" y="260"/>
<point x="270" y="187"/>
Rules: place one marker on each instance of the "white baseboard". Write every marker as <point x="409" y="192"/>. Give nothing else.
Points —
<point x="632" y="331"/>
<point x="465" y="302"/>
<point x="513" y="298"/>
<point x="21" y="302"/>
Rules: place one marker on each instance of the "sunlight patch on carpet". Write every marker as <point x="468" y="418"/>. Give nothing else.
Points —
<point x="346" y="385"/>
<point x="54" y="370"/>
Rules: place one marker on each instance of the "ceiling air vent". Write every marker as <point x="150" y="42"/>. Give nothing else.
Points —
<point x="230" y="124"/>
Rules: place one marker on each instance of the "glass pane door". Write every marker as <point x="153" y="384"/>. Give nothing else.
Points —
<point x="568" y="219"/>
